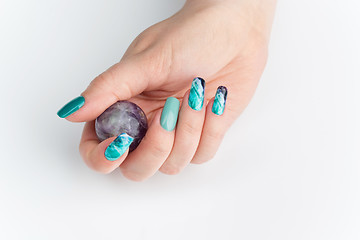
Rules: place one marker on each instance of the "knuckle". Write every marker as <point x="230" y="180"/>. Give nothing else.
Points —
<point x="132" y="175"/>
<point x="159" y="150"/>
<point x="142" y="41"/>
<point x="214" y="135"/>
<point x="154" y="55"/>
<point x="204" y="156"/>
<point x="170" y="169"/>
<point x="157" y="146"/>
<point x="103" y="170"/>
<point x="157" y="63"/>
<point x="102" y="81"/>
<point x="201" y="160"/>
<point x="189" y="128"/>
<point x="107" y="82"/>
<point x="100" y="168"/>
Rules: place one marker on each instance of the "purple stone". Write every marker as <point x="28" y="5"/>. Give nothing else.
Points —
<point x="122" y="117"/>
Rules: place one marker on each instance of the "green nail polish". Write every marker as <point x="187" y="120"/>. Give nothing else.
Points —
<point x="196" y="96"/>
<point x="118" y="147"/>
<point x="218" y="106"/>
<point x="170" y="113"/>
<point x="71" y="107"/>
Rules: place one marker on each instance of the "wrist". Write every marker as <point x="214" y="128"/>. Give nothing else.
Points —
<point x="257" y="14"/>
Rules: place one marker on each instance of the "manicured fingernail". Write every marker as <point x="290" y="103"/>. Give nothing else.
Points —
<point x="170" y="113"/>
<point x="71" y="107"/>
<point x="218" y="106"/>
<point x="118" y="147"/>
<point x="196" y="96"/>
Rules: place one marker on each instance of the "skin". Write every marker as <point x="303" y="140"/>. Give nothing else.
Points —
<point x="223" y="41"/>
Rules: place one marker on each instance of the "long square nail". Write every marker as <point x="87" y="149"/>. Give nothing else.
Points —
<point x="196" y="96"/>
<point x="218" y="106"/>
<point x="71" y="107"/>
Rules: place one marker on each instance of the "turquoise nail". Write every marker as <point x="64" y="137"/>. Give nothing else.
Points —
<point x="118" y="147"/>
<point x="196" y="96"/>
<point x="71" y="107"/>
<point x="170" y="113"/>
<point x="218" y="106"/>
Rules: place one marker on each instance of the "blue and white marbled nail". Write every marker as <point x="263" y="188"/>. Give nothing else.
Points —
<point x="196" y="96"/>
<point x="220" y="100"/>
<point x="118" y="147"/>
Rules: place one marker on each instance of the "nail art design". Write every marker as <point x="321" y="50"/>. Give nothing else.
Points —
<point x="220" y="100"/>
<point x="196" y="96"/>
<point x="118" y="147"/>
<point x="170" y="113"/>
<point x="71" y="107"/>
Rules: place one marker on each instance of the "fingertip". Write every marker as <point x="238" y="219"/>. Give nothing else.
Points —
<point x="94" y="154"/>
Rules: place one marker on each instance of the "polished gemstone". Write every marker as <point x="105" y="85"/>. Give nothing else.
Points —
<point x="122" y="117"/>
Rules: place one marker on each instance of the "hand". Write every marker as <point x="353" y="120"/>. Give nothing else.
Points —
<point x="224" y="42"/>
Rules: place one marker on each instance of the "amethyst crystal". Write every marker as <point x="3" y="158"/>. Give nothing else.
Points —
<point x="122" y="117"/>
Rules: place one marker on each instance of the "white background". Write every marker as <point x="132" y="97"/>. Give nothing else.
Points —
<point x="288" y="169"/>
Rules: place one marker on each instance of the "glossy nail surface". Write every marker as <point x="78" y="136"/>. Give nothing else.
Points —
<point x="118" y="147"/>
<point x="196" y="96"/>
<point x="71" y="107"/>
<point x="170" y="113"/>
<point x="220" y="100"/>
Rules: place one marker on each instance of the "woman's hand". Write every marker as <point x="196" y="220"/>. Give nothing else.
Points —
<point x="224" y="42"/>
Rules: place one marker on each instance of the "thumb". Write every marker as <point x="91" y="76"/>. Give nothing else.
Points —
<point x="120" y="82"/>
